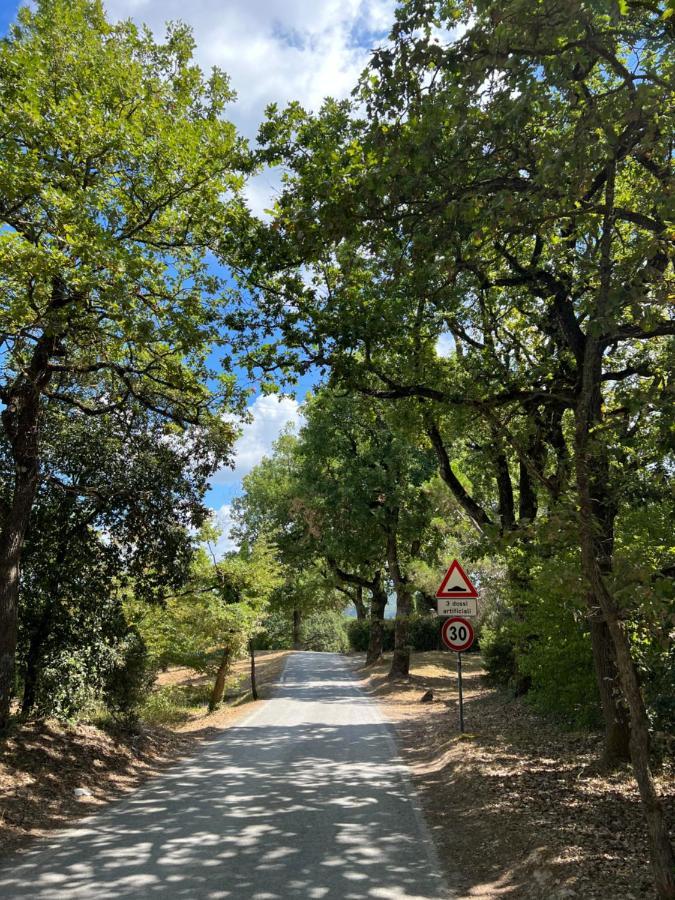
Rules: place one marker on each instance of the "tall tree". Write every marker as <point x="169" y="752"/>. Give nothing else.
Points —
<point x="117" y="171"/>
<point x="113" y="512"/>
<point x="511" y="187"/>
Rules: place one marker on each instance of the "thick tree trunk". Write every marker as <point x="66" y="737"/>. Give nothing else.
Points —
<point x="377" y="606"/>
<point x="20" y="421"/>
<point x="11" y="544"/>
<point x="254" y="686"/>
<point x="296" y="629"/>
<point x="400" y="664"/>
<point x="219" y="685"/>
<point x="592" y="472"/>
<point x="359" y="605"/>
<point x="617" y="726"/>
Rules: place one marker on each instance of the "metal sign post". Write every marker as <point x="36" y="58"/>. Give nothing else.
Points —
<point x="457" y="634"/>
<point x="461" y="698"/>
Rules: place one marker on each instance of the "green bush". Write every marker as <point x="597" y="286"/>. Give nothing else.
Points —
<point x="499" y="655"/>
<point x="70" y="681"/>
<point x="324" y="631"/>
<point x="130" y="679"/>
<point x="424" y="634"/>
<point x="358" y="634"/>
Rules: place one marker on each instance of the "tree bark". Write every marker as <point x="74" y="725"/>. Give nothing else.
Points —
<point x="400" y="664"/>
<point x="616" y="749"/>
<point x="296" y="630"/>
<point x="359" y="605"/>
<point x="21" y="424"/>
<point x="21" y="421"/>
<point x="219" y="685"/>
<point x="254" y="686"/>
<point x="592" y="475"/>
<point x="377" y="606"/>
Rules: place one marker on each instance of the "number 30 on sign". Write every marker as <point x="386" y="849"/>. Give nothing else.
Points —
<point x="457" y="634"/>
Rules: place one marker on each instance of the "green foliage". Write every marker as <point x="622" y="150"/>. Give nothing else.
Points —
<point x="324" y="631"/>
<point x="424" y="634"/>
<point x="173" y="704"/>
<point x="498" y="654"/>
<point x="219" y="609"/>
<point x="130" y="679"/>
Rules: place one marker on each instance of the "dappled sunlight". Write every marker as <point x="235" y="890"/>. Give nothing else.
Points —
<point x="306" y="798"/>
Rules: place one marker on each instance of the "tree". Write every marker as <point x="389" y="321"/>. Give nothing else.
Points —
<point x="208" y="623"/>
<point x="112" y="514"/>
<point x="349" y="492"/>
<point x="117" y="171"/>
<point x="510" y="188"/>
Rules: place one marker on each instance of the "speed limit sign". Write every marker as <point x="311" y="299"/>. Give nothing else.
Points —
<point x="457" y="634"/>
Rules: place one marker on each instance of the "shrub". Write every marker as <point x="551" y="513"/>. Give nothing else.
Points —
<point x="499" y="656"/>
<point x="324" y="631"/>
<point x="130" y="679"/>
<point x="424" y="634"/>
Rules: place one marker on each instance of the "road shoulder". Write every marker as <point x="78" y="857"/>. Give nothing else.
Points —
<point x="514" y="805"/>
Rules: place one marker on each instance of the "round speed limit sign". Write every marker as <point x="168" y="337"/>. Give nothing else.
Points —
<point x="457" y="634"/>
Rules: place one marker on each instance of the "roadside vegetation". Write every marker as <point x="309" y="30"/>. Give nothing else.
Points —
<point x="473" y="255"/>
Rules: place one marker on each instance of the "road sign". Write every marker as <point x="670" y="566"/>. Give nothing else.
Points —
<point x="457" y="634"/>
<point x="457" y="607"/>
<point x="456" y="583"/>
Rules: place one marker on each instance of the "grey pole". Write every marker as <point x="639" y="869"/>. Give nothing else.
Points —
<point x="461" y="699"/>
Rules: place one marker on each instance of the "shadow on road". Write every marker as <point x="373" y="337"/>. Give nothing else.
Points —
<point x="306" y="799"/>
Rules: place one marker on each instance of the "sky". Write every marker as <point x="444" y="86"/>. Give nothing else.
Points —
<point x="273" y="51"/>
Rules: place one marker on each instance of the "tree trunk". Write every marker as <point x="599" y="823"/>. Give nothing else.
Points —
<point x="377" y="606"/>
<point x="296" y="630"/>
<point x="20" y="420"/>
<point x="219" y="685"/>
<point x="617" y="727"/>
<point x="254" y="686"/>
<point x="359" y="605"/>
<point x="592" y="474"/>
<point x="400" y="664"/>
<point x="32" y="671"/>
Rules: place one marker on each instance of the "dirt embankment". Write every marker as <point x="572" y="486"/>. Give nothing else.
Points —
<point x="52" y="774"/>
<point x="515" y="805"/>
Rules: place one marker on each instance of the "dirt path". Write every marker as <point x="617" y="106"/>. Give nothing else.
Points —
<point x="514" y="806"/>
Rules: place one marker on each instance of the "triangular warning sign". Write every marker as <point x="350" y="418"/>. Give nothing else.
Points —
<point x="456" y="583"/>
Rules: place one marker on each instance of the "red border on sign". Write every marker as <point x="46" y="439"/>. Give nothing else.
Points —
<point x="442" y="594"/>
<point x="458" y="648"/>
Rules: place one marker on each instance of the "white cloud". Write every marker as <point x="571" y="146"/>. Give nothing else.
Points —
<point x="274" y="51"/>
<point x="271" y="415"/>
<point x="225" y="543"/>
<point x="445" y="344"/>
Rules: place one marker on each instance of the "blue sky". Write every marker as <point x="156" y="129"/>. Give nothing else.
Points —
<point x="273" y="51"/>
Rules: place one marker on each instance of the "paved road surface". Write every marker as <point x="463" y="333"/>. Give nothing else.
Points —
<point x="306" y="798"/>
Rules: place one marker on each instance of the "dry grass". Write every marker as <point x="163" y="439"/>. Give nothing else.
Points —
<point x="515" y="805"/>
<point x="42" y="763"/>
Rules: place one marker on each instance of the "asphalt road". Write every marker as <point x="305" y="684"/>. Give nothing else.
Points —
<point x="306" y="798"/>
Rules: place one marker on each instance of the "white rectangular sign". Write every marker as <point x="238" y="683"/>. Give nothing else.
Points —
<point x="457" y="606"/>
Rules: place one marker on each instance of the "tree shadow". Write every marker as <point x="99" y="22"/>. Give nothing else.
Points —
<point x="307" y="798"/>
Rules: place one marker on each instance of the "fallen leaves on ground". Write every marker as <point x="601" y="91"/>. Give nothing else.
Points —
<point x="43" y="764"/>
<point x="515" y="805"/>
